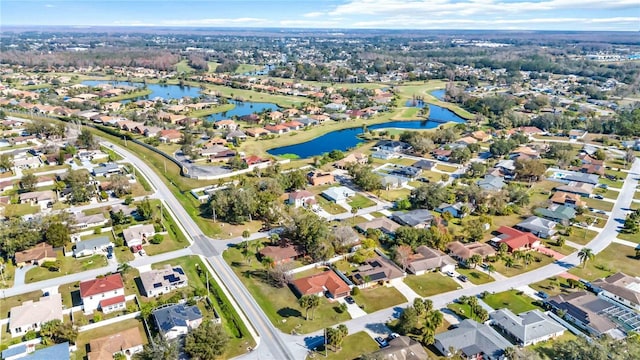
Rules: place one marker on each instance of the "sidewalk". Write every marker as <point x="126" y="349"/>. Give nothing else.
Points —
<point x="406" y="291"/>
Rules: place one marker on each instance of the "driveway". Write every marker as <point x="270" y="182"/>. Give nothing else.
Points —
<point x="354" y="310"/>
<point x="18" y="277"/>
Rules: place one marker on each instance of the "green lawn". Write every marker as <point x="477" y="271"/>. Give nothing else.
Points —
<point x="540" y="260"/>
<point x="212" y="66"/>
<point x="183" y="67"/>
<point x="542" y="348"/>
<point x="377" y="214"/>
<point x="244" y="68"/>
<point x="85" y="337"/>
<point x="431" y="283"/>
<point x="329" y="206"/>
<point x="463" y="310"/>
<point x="236" y="328"/>
<point x="361" y="202"/>
<point x="613" y="183"/>
<point x="581" y="236"/>
<point x="609" y="194"/>
<point x="616" y="257"/>
<point x="393" y="195"/>
<point x="378" y="298"/>
<point x="446" y="168"/>
<point x="552" y="286"/>
<point x="280" y="304"/>
<point x="16" y="210"/>
<point x="511" y="300"/>
<point x="630" y="237"/>
<point x="475" y="276"/>
<point x="353" y="347"/>
<point x="68" y="265"/>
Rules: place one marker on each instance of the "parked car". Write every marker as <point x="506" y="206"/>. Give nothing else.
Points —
<point x="462" y="278"/>
<point x="450" y="273"/>
<point x="382" y="342"/>
<point x="349" y="300"/>
<point x="542" y="294"/>
<point x="142" y="253"/>
<point x="599" y="197"/>
<point x="394" y="335"/>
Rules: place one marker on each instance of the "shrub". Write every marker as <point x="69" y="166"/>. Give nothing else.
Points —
<point x="30" y="335"/>
<point x="97" y="317"/>
<point x="128" y="200"/>
<point x="156" y="239"/>
<point x="355" y="290"/>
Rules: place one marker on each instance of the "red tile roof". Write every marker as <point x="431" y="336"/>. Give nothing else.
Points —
<point x="112" y="301"/>
<point x="516" y="239"/>
<point x="101" y="285"/>
<point x="327" y="280"/>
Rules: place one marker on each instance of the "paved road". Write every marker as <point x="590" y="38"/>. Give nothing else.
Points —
<point x="271" y="344"/>
<point x="374" y="322"/>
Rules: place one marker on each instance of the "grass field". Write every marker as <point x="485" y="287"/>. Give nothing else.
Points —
<point x="353" y="347"/>
<point x="329" y="206"/>
<point x="68" y="265"/>
<point x="280" y="304"/>
<point x="475" y="276"/>
<point x="183" y="67"/>
<point x="212" y="110"/>
<point x="552" y="286"/>
<point x="446" y="168"/>
<point x="511" y="300"/>
<point x="431" y="283"/>
<point x="16" y="210"/>
<point x="599" y="204"/>
<point x="581" y="236"/>
<point x="361" y="202"/>
<point x="614" y="258"/>
<point x="378" y="298"/>
<point x="519" y="266"/>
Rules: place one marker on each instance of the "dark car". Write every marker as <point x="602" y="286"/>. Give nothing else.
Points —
<point x="382" y="342"/>
<point x="462" y="278"/>
<point x="349" y="300"/>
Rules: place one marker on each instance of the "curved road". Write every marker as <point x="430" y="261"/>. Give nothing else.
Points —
<point x="271" y="344"/>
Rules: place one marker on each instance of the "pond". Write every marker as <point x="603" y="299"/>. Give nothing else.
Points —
<point x="166" y="92"/>
<point x="348" y="138"/>
<point x="438" y="94"/>
<point x="242" y="109"/>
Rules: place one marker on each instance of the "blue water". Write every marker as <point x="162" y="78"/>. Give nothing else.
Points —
<point x="242" y="109"/>
<point x="348" y="138"/>
<point x="166" y="92"/>
<point x="438" y="94"/>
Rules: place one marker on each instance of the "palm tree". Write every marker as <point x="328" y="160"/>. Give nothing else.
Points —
<point x="315" y="302"/>
<point x="124" y="268"/>
<point x="354" y="211"/>
<point x="305" y="303"/>
<point x="267" y="262"/>
<point x="527" y="258"/>
<point x="475" y="260"/>
<point x="585" y="254"/>
<point x="508" y="262"/>
<point x="491" y="269"/>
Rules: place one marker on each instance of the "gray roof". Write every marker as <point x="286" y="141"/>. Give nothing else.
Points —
<point x="559" y="212"/>
<point x="175" y="315"/>
<point x="424" y="164"/>
<point x="491" y="183"/>
<point x="105" y="168"/>
<point x="427" y="259"/>
<point x="528" y="326"/>
<point x="622" y="285"/>
<point x="92" y="244"/>
<point x="538" y="226"/>
<point x="472" y="338"/>
<point x="165" y="277"/>
<point x="506" y="164"/>
<point x="585" y="307"/>
<point x="384" y="224"/>
<point x="579" y="177"/>
<point x="413" y="217"/>
<point x="402" y="348"/>
<point x="338" y="193"/>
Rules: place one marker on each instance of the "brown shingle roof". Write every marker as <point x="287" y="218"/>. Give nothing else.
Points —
<point x="36" y="253"/>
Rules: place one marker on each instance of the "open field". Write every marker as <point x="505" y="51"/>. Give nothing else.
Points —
<point x="431" y="283"/>
<point x="183" y="67"/>
<point x="378" y="298"/>
<point x="475" y="276"/>
<point x="67" y="265"/>
<point x="512" y="300"/>
<point x="614" y="258"/>
<point x="540" y="260"/>
<point x="353" y="346"/>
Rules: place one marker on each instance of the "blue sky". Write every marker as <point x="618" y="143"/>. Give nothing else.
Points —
<point x="378" y="14"/>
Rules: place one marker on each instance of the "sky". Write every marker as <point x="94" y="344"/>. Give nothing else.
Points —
<point x="578" y="15"/>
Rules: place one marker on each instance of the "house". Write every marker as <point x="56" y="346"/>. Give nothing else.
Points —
<point x="293" y="125"/>
<point x="152" y="131"/>
<point x="473" y="340"/>
<point x="105" y="293"/>
<point x="568" y="176"/>
<point x="44" y="199"/>
<point x="236" y="135"/>
<point x="383" y="154"/>
<point x="527" y="328"/>
<point x="575" y="134"/>
<point x="466" y="141"/>
<point x="515" y="239"/>
<point x="276" y="129"/>
<point x="386" y="225"/>
<point x="338" y="194"/>
<point x="392" y="146"/>
<point x="351" y="159"/>
<point x="524" y="152"/>
<point x="481" y="136"/>
<point x="530" y="130"/>
<point x="138" y="234"/>
<point x="26" y="350"/>
<point x="584" y="310"/>
<point x="43" y="181"/>
<point x="162" y="281"/>
<point x="30" y="162"/>
<point x="170" y="136"/>
<point x="126" y="342"/>
<point x="507" y="167"/>
<point x="379" y="270"/>
<point x="281" y="254"/>
<point x="418" y="218"/>
<point x="538" y="226"/>
<point x="226" y="124"/>
<point x="491" y="183"/>
<point x="406" y="171"/>
<point x="176" y="320"/>
<point x="106" y="169"/>
<point x="567" y="199"/>
<point x="559" y="213"/>
<point x="36" y="255"/>
<point x="300" y="198"/>
<point x="427" y="259"/>
<point x="327" y="282"/>
<point x="578" y="188"/>
<point x="255" y="160"/>
<point x="87" y="221"/>
<point x="92" y="246"/>
<point x="393" y="182"/>
<point x="401" y="348"/>
<point x="463" y="252"/>
<point x="424" y="164"/>
<point x="619" y="288"/>
<point x="31" y="315"/>
<point x="457" y="210"/>
<point x="256" y="132"/>
<point x="316" y="178"/>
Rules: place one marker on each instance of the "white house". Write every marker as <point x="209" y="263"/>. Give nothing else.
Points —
<point x="176" y="320"/>
<point x="30" y="315"/>
<point x="300" y="198"/>
<point x="137" y="234"/>
<point x="620" y="288"/>
<point x="106" y="294"/>
<point x="338" y="194"/>
<point x="162" y="281"/>
<point x="528" y="328"/>
<point x="92" y="246"/>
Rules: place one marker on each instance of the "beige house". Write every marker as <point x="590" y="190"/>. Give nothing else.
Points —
<point x="127" y="342"/>
<point x="30" y="316"/>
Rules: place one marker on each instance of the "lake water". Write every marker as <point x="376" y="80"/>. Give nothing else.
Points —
<point x="438" y="94"/>
<point x="348" y="138"/>
<point x="242" y="109"/>
<point x="166" y="92"/>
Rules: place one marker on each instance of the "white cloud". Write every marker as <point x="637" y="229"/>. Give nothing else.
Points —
<point x="222" y="22"/>
<point x="510" y="23"/>
<point x="313" y="14"/>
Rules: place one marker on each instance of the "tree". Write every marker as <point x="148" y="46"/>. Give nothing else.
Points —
<point x="491" y="269"/>
<point x="6" y="162"/>
<point x="206" y="342"/>
<point x="428" y="196"/>
<point x="120" y="185"/>
<point x="585" y="254"/>
<point x="159" y="348"/>
<point x="28" y="182"/>
<point x="305" y="302"/>
<point x="365" y="178"/>
<point x="509" y="262"/>
<point x="57" y="235"/>
<point x="530" y="169"/>
<point x="86" y="140"/>
<point x="629" y="157"/>
<point x="59" y="332"/>
<point x="527" y="258"/>
<point x="474" y="260"/>
<point x="402" y="253"/>
<point x="314" y="303"/>
<point x="79" y="183"/>
<point x="407" y="321"/>
<point x="144" y="210"/>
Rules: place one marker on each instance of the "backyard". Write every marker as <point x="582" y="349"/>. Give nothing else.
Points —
<point x="86" y="336"/>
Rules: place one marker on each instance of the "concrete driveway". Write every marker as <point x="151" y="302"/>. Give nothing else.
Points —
<point x="19" y="276"/>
